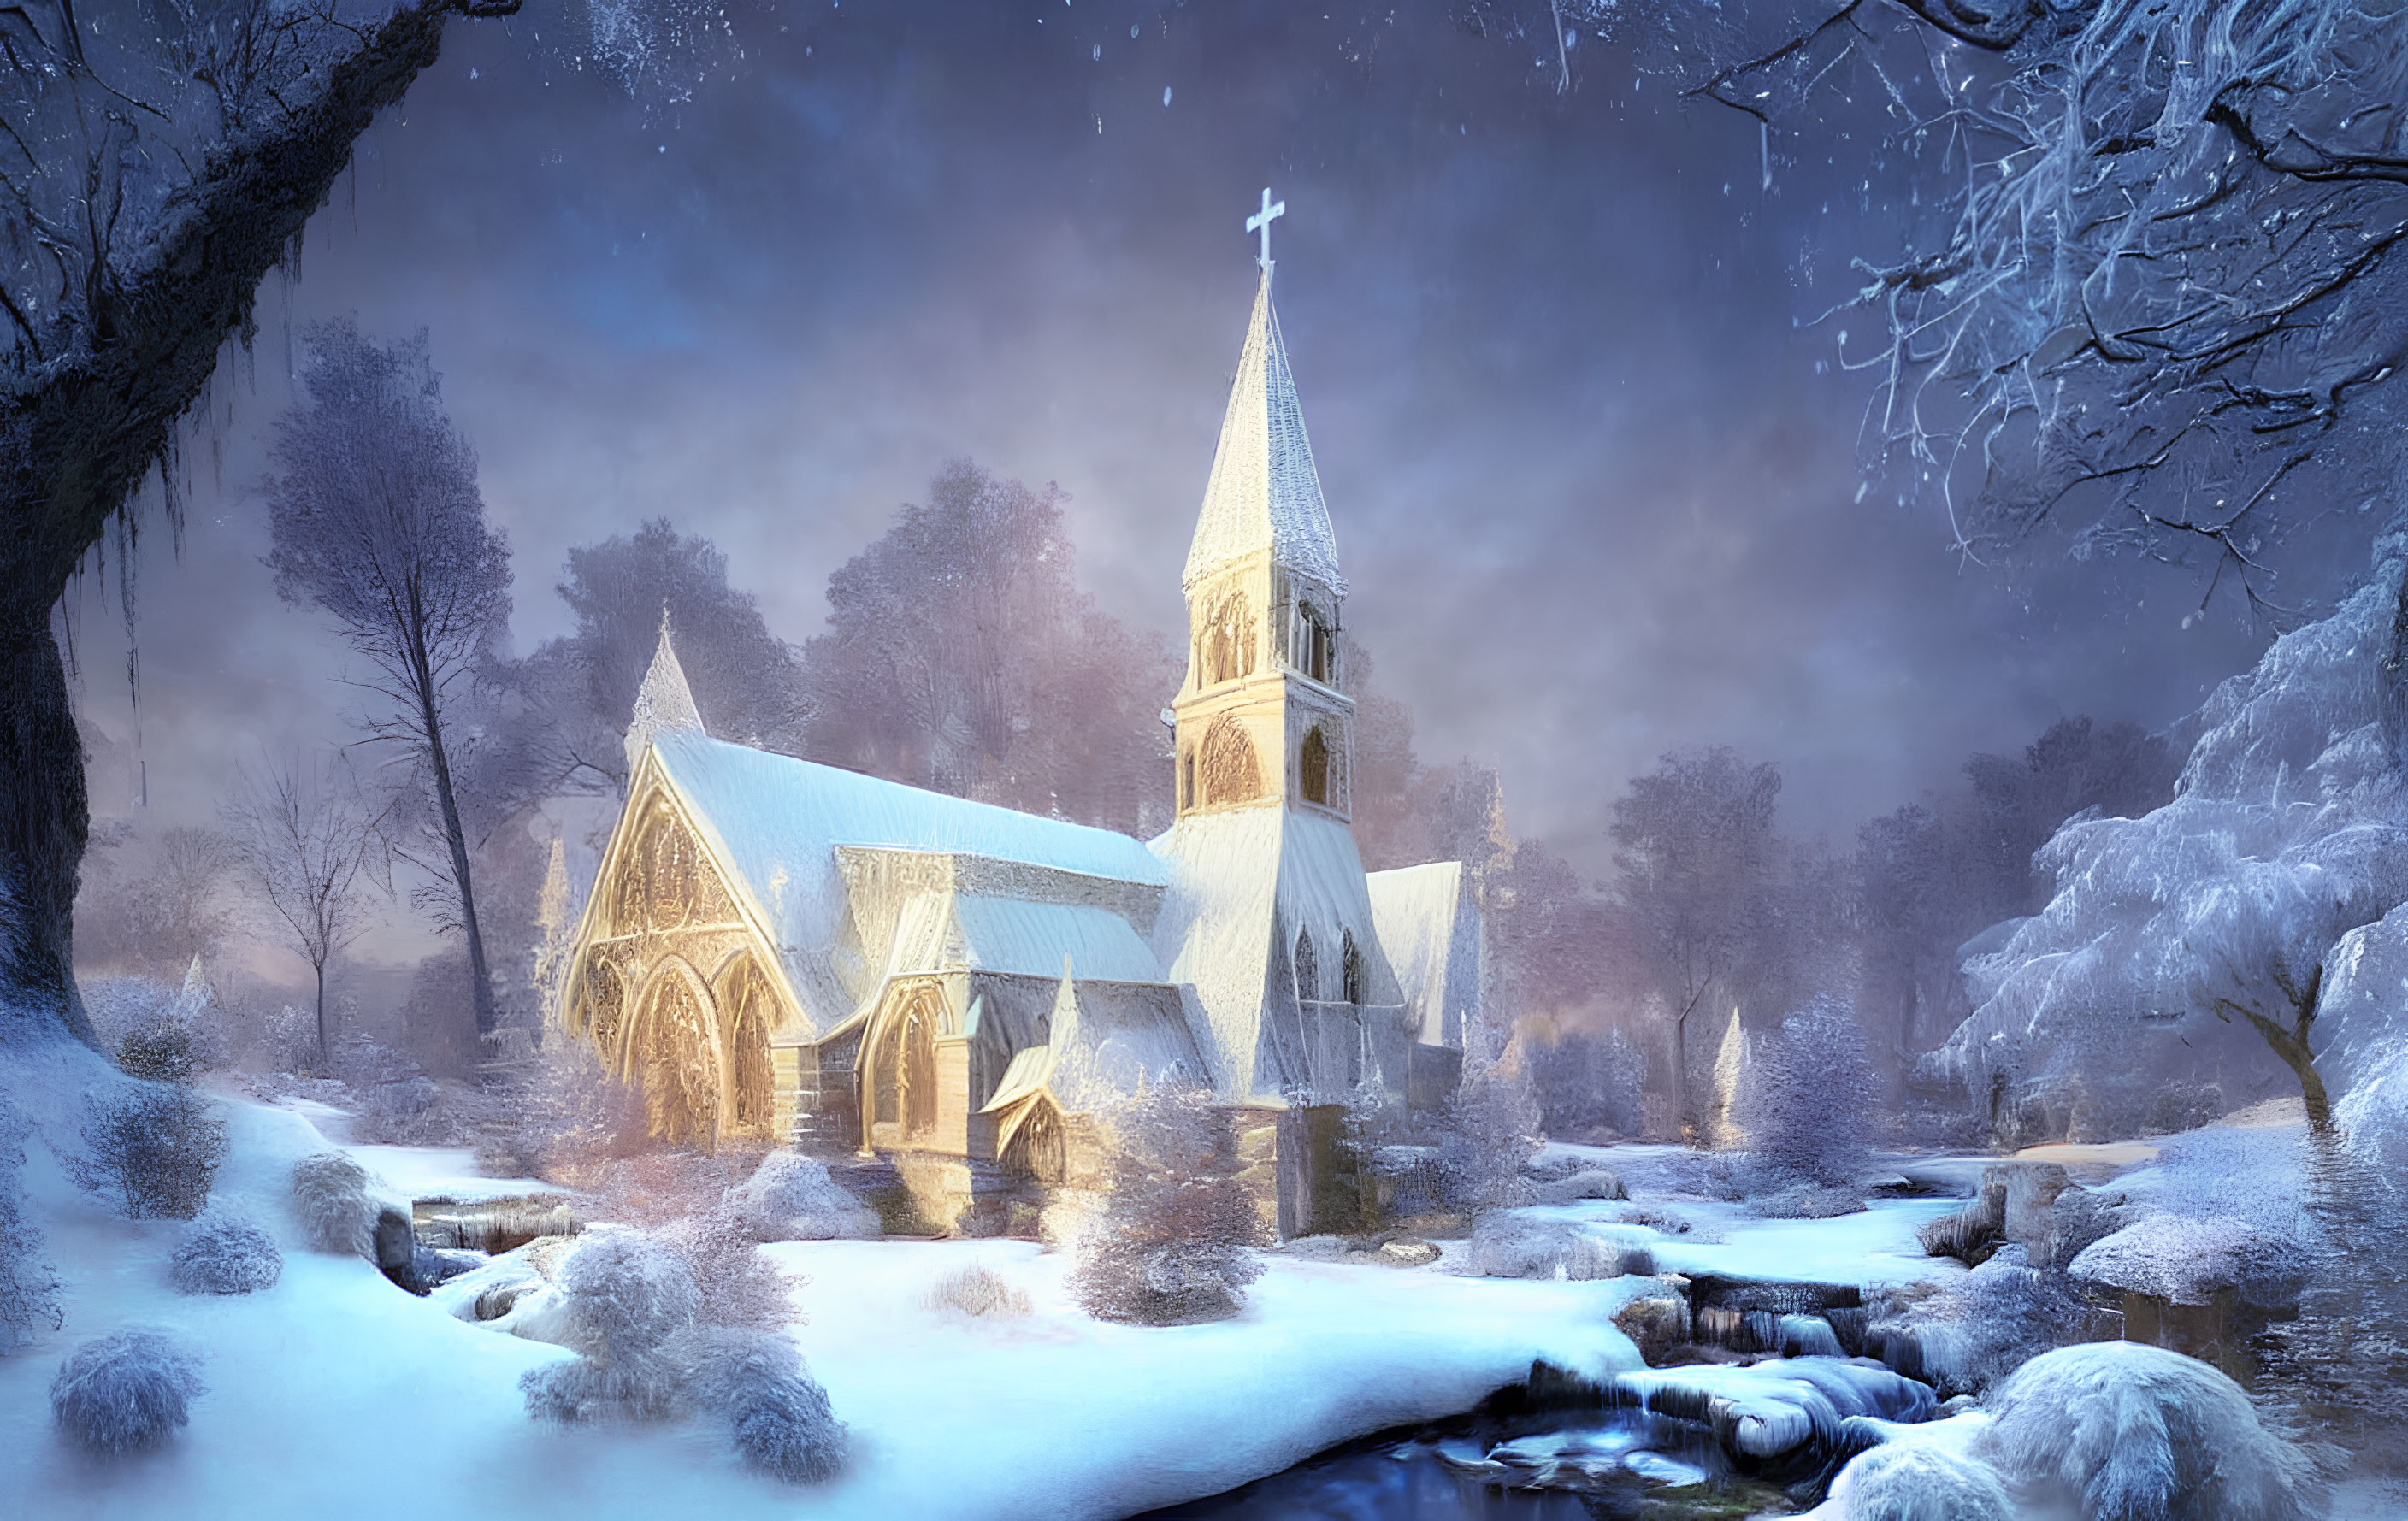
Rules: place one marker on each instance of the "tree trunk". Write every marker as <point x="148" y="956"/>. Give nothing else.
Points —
<point x="44" y="821"/>
<point x="320" y="967"/>
<point x="481" y="987"/>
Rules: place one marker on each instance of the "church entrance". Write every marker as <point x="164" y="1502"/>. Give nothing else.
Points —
<point x="677" y="1056"/>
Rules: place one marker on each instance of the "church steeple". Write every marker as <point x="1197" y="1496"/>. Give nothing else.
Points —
<point x="662" y="704"/>
<point x="1262" y="717"/>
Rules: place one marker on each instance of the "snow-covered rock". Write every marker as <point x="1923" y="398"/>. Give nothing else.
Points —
<point x="1916" y="1482"/>
<point x="2183" y="1259"/>
<point x="2114" y="1428"/>
<point x="791" y="1198"/>
<point x="1509" y="1245"/>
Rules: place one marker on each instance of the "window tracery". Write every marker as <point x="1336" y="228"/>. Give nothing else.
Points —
<point x="1231" y="773"/>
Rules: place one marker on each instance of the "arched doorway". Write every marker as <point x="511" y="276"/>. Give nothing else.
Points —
<point x="746" y="1009"/>
<point x="903" y="1070"/>
<point x="675" y="1056"/>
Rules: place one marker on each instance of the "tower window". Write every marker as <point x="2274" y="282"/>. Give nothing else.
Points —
<point x="1308" y="970"/>
<point x="1313" y="768"/>
<point x="1187" y="780"/>
<point x="1316" y="645"/>
<point x="1231" y="771"/>
<point x="1350" y="967"/>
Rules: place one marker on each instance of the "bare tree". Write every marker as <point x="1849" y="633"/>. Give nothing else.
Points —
<point x="310" y="846"/>
<point x="152" y="903"/>
<point x="377" y="520"/>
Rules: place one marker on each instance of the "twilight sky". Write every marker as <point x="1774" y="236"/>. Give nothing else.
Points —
<point x="1593" y="486"/>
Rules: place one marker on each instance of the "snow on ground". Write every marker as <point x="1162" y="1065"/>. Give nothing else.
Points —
<point x="1873" y="1248"/>
<point x="334" y="1393"/>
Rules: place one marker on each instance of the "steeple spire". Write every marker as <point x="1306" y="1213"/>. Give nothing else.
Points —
<point x="663" y="704"/>
<point x="1264" y="493"/>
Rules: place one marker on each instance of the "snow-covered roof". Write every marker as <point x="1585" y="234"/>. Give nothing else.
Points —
<point x="1264" y="491"/>
<point x="663" y="704"/>
<point x="973" y="932"/>
<point x="776" y="822"/>
<point x="1431" y="934"/>
<point x="1103" y="1041"/>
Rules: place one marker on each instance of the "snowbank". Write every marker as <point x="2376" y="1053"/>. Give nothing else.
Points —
<point x="334" y="1393"/>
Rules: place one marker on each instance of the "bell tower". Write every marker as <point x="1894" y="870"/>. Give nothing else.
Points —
<point x="1263" y="718"/>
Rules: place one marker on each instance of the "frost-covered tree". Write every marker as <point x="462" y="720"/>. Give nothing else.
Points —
<point x="961" y="655"/>
<point x="308" y="844"/>
<point x="1697" y="860"/>
<point x="2146" y="294"/>
<point x="1809" y="1100"/>
<point x="378" y="522"/>
<point x="151" y="903"/>
<point x="1586" y="1080"/>
<point x="2289" y="831"/>
<point x="746" y="682"/>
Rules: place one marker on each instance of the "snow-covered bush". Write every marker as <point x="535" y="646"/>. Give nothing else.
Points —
<point x="739" y="1286"/>
<point x="2118" y="1429"/>
<point x="223" y="1253"/>
<point x="121" y="1394"/>
<point x="1489" y="1130"/>
<point x="978" y="1290"/>
<point x="791" y="1198"/>
<point x="1514" y="1246"/>
<point x="1916" y="1480"/>
<point x="566" y="1121"/>
<point x="1171" y="1246"/>
<point x="1964" y="1334"/>
<point x="153" y="1147"/>
<point x="29" y="1288"/>
<point x="159" y="1051"/>
<point x="626" y="1297"/>
<point x="776" y="1414"/>
<point x="330" y="1195"/>
<point x="1808" y="1101"/>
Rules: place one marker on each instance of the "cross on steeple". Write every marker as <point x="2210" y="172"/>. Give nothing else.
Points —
<point x="1261" y="221"/>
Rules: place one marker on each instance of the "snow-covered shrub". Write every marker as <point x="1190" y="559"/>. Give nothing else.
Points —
<point x="159" y="1051"/>
<point x="1580" y="1185"/>
<point x="791" y="1198"/>
<point x="1515" y="1246"/>
<point x="2118" y="1429"/>
<point x="223" y="1253"/>
<point x="1808" y="1101"/>
<point x="330" y="1195"/>
<point x="1171" y="1246"/>
<point x="978" y="1290"/>
<point x="123" y="1393"/>
<point x="153" y="1147"/>
<point x="565" y="1120"/>
<point x="1916" y="1480"/>
<point x="776" y="1414"/>
<point x="739" y="1286"/>
<point x="29" y="1288"/>
<point x="626" y="1298"/>
<point x="1963" y="1335"/>
<point x="1489" y="1130"/>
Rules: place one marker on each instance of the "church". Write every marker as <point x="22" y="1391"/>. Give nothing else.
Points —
<point x="784" y="952"/>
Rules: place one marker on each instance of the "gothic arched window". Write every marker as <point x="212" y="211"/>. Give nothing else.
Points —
<point x="1231" y="774"/>
<point x="1308" y="970"/>
<point x="1316" y="652"/>
<point x="746" y="1010"/>
<point x="1350" y="967"/>
<point x="1187" y="780"/>
<point x="1313" y="768"/>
